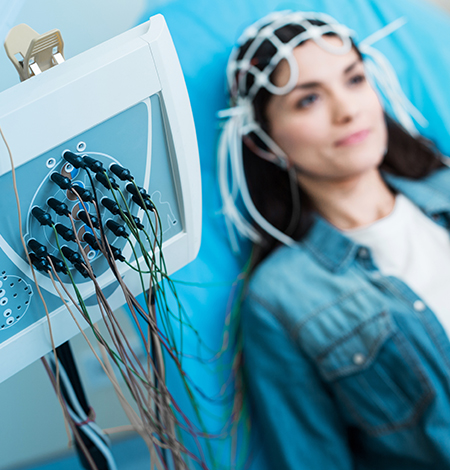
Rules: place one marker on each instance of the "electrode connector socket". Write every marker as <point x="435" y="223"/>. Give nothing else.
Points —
<point x="59" y="265"/>
<point x="108" y="182"/>
<point x="93" y="164"/>
<point x="63" y="182"/>
<point x="121" y="172"/>
<point x="111" y="205"/>
<point x="39" y="249"/>
<point x="71" y="255"/>
<point x="67" y="233"/>
<point x="83" y="216"/>
<point x="44" y="218"/>
<point x="74" y="159"/>
<point x="59" y="207"/>
<point x="117" y="229"/>
<point x="41" y="264"/>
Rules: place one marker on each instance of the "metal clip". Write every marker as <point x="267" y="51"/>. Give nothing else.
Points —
<point x="33" y="53"/>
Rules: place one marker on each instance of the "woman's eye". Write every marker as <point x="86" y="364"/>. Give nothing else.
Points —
<point x="356" y="79"/>
<point x="307" y="101"/>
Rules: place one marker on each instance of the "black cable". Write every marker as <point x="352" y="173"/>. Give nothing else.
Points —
<point x="65" y="356"/>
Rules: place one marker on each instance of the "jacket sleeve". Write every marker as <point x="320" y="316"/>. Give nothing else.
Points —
<point x="300" y="426"/>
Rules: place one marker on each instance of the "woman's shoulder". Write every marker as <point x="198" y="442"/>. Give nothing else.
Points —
<point x="440" y="179"/>
<point x="279" y="267"/>
<point x="289" y="284"/>
<point x="437" y="181"/>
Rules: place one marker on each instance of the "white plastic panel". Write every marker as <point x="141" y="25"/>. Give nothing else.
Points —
<point x="124" y="101"/>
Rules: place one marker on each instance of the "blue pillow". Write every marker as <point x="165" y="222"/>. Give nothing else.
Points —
<point x="204" y="32"/>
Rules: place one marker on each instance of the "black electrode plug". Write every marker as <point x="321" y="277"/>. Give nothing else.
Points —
<point x="59" y="265"/>
<point x="140" y="197"/>
<point x="135" y="219"/>
<point x="84" y="194"/>
<point x="136" y="191"/>
<point x="121" y="172"/>
<point x="111" y="205"/>
<point x="91" y="241"/>
<point x="61" y="181"/>
<point x="39" y="249"/>
<point x="117" y="253"/>
<point x="41" y="264"/>
<point x="71" y="255"/>
<point x="108" y="182"/>
<point x="83" y="216"/>
<point x="67" y="233"/>
<point x="59" y="207"/>
<point x="74" y="159"/>
<point x="81" y="269"/>
<point x="117" y="229"/>
<point x="44" y="218"/>
<point x="144" y="203"/>
<point x="93" y="164"/>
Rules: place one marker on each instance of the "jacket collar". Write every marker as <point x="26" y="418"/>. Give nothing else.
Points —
<point x="431" y="194"/>
<point x="336" y="252"/>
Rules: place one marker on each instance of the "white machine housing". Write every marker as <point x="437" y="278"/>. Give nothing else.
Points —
<point x="50" y="109"/>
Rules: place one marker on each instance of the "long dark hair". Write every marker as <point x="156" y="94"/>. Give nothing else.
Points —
<point x="269" y="185"/>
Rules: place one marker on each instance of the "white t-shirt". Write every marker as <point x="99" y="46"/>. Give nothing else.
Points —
<point x="408" y="245"/>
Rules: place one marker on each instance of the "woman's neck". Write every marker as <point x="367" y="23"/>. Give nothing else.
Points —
<point x="353" y="202"/>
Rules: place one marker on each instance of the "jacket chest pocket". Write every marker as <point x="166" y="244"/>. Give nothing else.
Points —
<point x="371" y="368"/>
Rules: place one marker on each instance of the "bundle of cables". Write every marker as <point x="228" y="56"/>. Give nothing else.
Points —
<point x="158" y="416"/>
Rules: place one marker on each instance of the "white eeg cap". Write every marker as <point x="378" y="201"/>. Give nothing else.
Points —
<point x="246" y="76"/>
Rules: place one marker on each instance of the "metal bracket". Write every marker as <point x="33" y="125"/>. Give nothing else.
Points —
<point x="33" y="53"/>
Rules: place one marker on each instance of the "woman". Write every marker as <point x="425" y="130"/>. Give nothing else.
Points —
<point x="346" y="318"/>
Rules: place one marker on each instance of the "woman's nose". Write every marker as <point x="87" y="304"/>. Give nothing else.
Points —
<point x="345" y="107"/>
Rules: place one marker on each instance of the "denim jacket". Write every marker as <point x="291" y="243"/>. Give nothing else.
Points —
<point x="347" y="368"/>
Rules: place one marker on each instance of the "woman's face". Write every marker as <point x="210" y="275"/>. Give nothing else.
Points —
<point x="331" y="125"/>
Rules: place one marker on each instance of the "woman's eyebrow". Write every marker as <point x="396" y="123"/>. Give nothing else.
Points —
<point x="307" y="85"/>
<point x="352" y="66"/>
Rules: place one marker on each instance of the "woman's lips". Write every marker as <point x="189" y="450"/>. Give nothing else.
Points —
<point x="354" y="138"/>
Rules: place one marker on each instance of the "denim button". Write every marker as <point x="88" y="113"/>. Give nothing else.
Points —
<point x="363" y="252"/>
<point x="359" y="359"/>
<point x="419" y="306"/>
